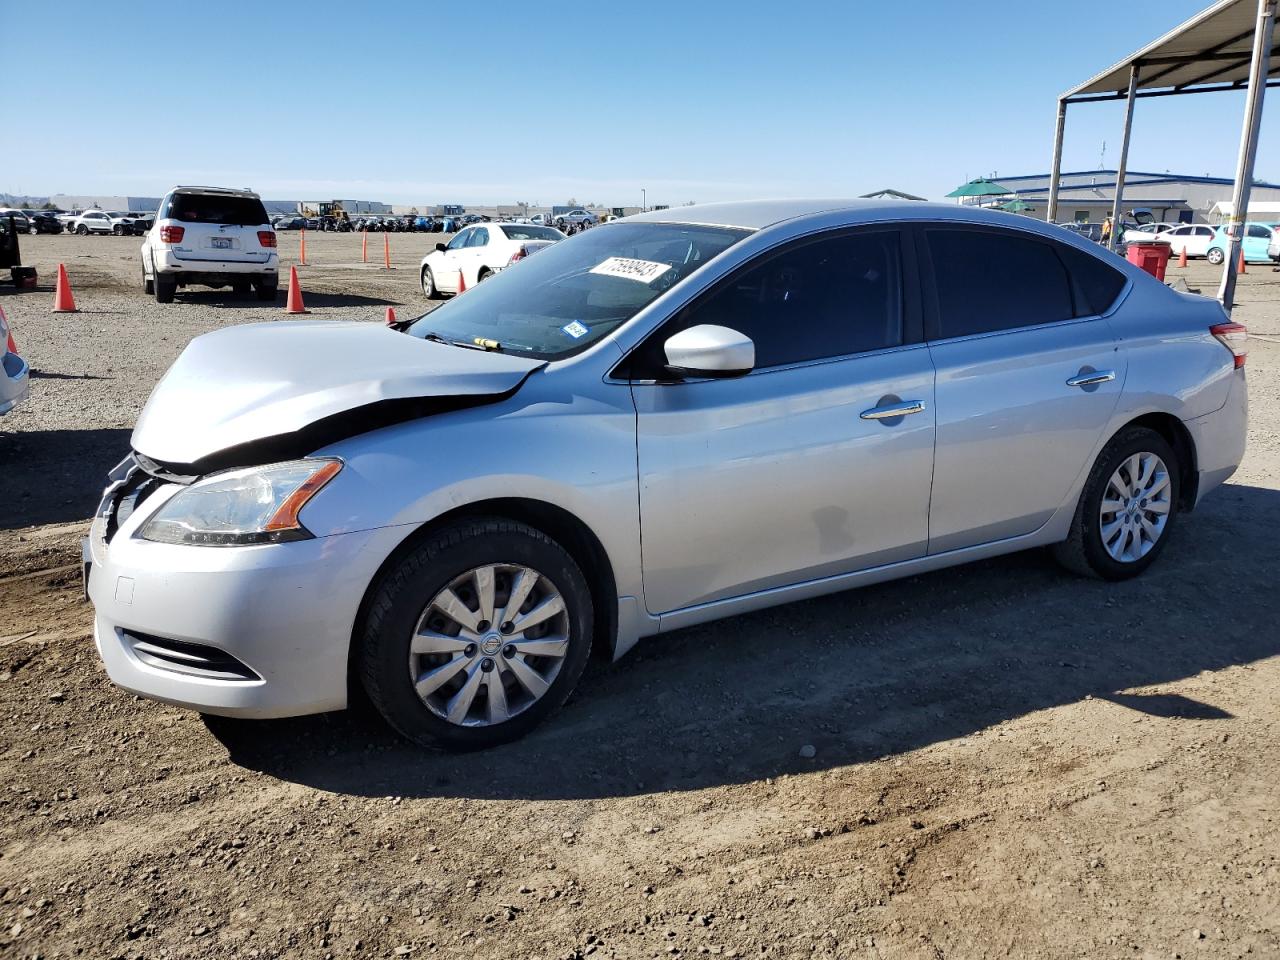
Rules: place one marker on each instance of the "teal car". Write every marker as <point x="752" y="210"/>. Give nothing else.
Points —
<point x="1257" y="236"/>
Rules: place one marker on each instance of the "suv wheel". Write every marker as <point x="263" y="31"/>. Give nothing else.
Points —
<point x="165" y="288"/>
<point x="82" y="230"/>
<point x="1127" y="510"/>
<point x="266" y="289"/>
<point x="476" y="635"/>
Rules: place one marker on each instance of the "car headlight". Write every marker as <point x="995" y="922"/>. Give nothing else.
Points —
<point x="258" y="505"/>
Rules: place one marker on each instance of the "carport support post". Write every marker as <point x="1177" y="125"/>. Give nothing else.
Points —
<point x="1056" y="175"/>
<point x="1258" y="72"/>
<point x="1124" y="157"/>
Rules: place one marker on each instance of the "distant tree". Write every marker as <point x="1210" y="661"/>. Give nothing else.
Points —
<point x="571" y="202"/>
<point x="48" y="206"/>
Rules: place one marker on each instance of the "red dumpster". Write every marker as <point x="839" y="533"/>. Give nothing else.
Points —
<point x="1152" y="256"/>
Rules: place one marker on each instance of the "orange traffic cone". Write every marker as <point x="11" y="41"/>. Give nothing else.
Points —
<point x="391" y="316"/>
<point x="294" y="303"/>
<point x="462" y="281"/>
<point x="302" y="259"/>
<point x="386" y="251"/>
<point x="1182" y="257"/>
<point x="63" y="302"/>
<point x="364" y="246"/>
<point x="1240" y="268"/>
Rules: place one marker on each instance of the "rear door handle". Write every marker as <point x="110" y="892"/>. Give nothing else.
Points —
<point x="889" y="411"/>
<point x="1090" y="379"/>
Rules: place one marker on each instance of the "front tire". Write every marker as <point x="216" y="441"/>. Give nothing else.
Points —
<point x="429" y="287"/>
<point x="477" y="635"/>
<point x="82" y="230"/>
<point x="1127" y="510"/>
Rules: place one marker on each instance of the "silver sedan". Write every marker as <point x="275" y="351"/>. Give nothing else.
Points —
<point x="670" y="419"/>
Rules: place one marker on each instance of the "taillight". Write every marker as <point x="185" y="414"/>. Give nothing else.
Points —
<point x="267" y="238"/>
<point x="172" y="234"/>
<point x="520" y="254"/>
<point x="1235" y="337"/>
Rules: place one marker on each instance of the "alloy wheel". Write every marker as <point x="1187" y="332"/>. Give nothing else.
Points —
<point x="1135" y="507"/>
<point x="489" y="645"/>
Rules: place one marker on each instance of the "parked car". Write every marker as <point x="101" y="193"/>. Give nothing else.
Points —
<point x="67" y="219"/>
<point x="43" y="221"/>
<point x="21" y="222"/>
<point x="784" y="399"/>
<point x="1147" y="232"/>
<point x="212" y="236"/>
<point x="1273" y="248"/>
<point x="1089" y="231"/>
<point x="1257" y="238"/>
<point x="1192" y="237"/>
<point x="128" y="224"/>
<point x="541" y="219"/>
<point x="92" y="221"/>
<point x="480" y="251"/>
<point x="15" y="375"/>
<point x="290" y="223"/>
<point x="575" y="216"/>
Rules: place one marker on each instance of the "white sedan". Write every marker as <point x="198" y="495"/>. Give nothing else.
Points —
<point x="1148" y="232"/>
<point x="479" y="252"/>
<point x="1192" y="237"/>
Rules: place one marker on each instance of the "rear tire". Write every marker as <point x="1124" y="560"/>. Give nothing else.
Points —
<point x="82" y="230"/>
<point x="1086" y="552"/>
<point x="404" y="599"/>
<point x="266" y="289"/>
<point x="165" y="288"/>
<point x="1215" y="256"/>
<point x="240" y="288"/>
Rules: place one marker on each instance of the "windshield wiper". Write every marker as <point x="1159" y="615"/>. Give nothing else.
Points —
<point x="479" y="344"/>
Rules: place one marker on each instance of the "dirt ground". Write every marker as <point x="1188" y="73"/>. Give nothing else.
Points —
<point x="1006" y="761"/>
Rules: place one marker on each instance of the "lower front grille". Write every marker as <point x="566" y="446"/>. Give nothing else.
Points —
<point x="191" y="659"/>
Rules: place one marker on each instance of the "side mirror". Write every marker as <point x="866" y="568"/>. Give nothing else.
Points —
<point x="710" y="351"/>
<point x="441" y="247"/>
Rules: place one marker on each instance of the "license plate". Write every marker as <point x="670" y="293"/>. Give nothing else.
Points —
<point x="222" y="243"/>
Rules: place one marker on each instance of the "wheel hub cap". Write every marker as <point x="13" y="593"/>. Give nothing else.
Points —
<point x="1135" y="507"/>
<point x="501" y="608"/>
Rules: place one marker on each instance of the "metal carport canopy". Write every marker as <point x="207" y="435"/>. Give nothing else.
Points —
<point x="1227" y="46"/>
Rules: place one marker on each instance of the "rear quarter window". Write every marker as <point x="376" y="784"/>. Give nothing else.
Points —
<point x="1096" y="284"/>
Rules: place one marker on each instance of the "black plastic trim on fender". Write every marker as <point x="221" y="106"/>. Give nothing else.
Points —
<point x="321" y="433"/>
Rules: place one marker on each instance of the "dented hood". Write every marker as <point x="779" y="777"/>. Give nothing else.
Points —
<point x="247" y="384"/>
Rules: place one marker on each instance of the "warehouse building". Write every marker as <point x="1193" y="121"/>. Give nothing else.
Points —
<point x="1087" y="196"/>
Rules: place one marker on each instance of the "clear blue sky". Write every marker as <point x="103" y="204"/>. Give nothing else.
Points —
<point x="501" y="102"/>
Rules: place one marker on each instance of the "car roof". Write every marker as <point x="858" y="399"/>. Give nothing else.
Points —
<point x="226" y="191"/>
<point x="759" y="214"/>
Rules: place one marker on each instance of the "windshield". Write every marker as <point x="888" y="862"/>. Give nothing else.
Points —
<point x="576" y="291"/>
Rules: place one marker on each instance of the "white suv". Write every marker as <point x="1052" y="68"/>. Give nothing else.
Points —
<point x="212" y="236"/>
<point x="91" y="221"/>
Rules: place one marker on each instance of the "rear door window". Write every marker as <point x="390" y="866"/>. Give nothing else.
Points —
<point x="216" y="208"/>
<point x="1259" y="232"/>
<point x="988" y="280"/>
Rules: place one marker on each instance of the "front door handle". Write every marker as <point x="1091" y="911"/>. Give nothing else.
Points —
<point x="1092" y="378"/>
<point x="889" y="411"/>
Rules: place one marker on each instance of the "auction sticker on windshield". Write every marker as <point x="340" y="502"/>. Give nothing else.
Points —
<point x="644" y="271"/>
